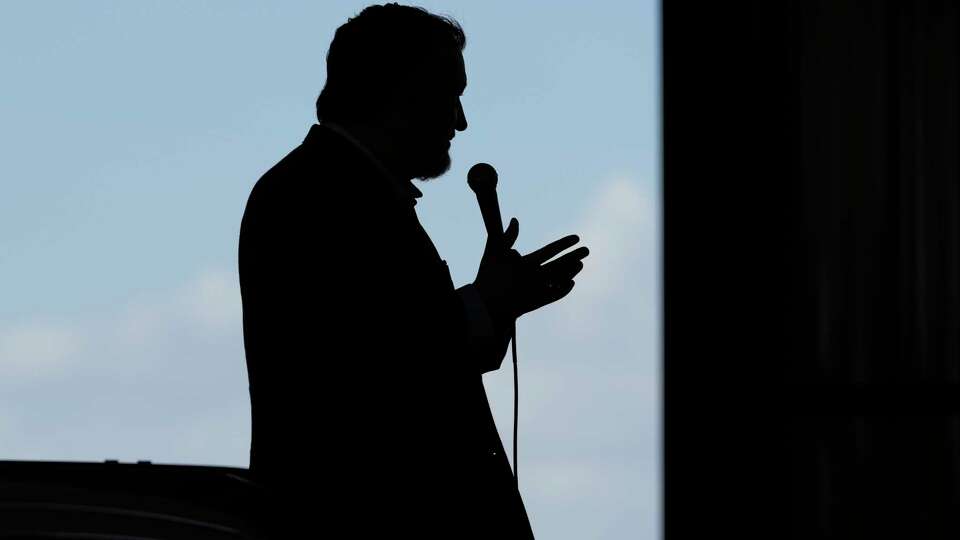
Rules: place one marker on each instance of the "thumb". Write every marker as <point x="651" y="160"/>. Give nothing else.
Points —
<point x="510" y="235"/>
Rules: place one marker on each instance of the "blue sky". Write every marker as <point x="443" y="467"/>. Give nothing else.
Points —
<point x="131" y="134"/>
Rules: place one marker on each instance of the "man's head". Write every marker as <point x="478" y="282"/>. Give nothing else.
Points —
<point x="399" y="70"/>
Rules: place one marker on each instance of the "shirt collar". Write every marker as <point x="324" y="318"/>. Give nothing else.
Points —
<point x="405" y="190"/>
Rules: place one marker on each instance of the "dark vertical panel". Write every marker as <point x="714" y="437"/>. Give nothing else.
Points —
<point x="878" y="123"/>
<point x="729" y="182"/>
<point x="812" y="286"/>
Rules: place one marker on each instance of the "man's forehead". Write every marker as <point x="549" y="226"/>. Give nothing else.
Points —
<point x="460" y="71"/>
<point x="449" y="65"/>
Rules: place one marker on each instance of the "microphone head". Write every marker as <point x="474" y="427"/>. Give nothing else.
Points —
<point x="482" y="177"/>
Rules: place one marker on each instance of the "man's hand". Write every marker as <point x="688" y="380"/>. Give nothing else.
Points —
<point x="512" y="285"/>
<point x="546" y="282"/>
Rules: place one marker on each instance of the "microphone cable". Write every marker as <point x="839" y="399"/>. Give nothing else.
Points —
<point x="516" y="394"/>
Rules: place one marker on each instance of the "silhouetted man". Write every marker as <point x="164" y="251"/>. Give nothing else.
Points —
<point x="368" y="407"/>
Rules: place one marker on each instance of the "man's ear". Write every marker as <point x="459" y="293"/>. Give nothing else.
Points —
<point x="372" y="109"/>
<point x="398" y="115"/>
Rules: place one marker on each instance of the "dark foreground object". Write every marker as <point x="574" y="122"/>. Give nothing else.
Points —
<point x="113" y="501"/>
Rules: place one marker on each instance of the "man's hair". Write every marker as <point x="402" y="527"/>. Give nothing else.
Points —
<point x="372" y="53"/>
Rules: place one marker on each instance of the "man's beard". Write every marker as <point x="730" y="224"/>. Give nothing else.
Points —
<point x="432" y="164"/>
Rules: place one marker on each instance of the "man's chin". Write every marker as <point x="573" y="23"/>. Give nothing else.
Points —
<point x="434" y="170"/>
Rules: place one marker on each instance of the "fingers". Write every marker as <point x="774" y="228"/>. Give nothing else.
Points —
<point x="550" y="250"/>
<point x="568" y="259"/>
<point x="562" y="268"/>
<point x="559" y="271"/>
<point x="510" y="235"/>
<point x="554" y="275"/>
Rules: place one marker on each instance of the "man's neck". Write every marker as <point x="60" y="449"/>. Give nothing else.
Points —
<point x="379" y="142"/>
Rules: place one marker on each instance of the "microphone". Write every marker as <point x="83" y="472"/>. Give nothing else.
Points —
<point x="482" y="179"/>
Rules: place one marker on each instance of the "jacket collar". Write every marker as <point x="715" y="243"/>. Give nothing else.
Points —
<point x="405" y="191"/>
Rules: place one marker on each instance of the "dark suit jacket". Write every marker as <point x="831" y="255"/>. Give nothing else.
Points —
<point x="368" y="407"/>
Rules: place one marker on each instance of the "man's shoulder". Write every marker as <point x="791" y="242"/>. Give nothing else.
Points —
<point x="292" y="173"/>
<point x="321" y="182"/>
<point x="322" y="167"/>
<point x="290" y="180"/>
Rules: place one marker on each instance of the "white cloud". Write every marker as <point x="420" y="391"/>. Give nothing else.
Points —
<point x="137" y="323"/>
<point x="160" y="377"/>
<point x="209" y="305"/>
<point x="31" y="350"/>
<point x="620" y="227"/>
<point x="213" y="300"/>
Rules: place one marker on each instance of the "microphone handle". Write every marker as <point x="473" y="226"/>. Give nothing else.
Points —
<point x="490" y="211"/>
